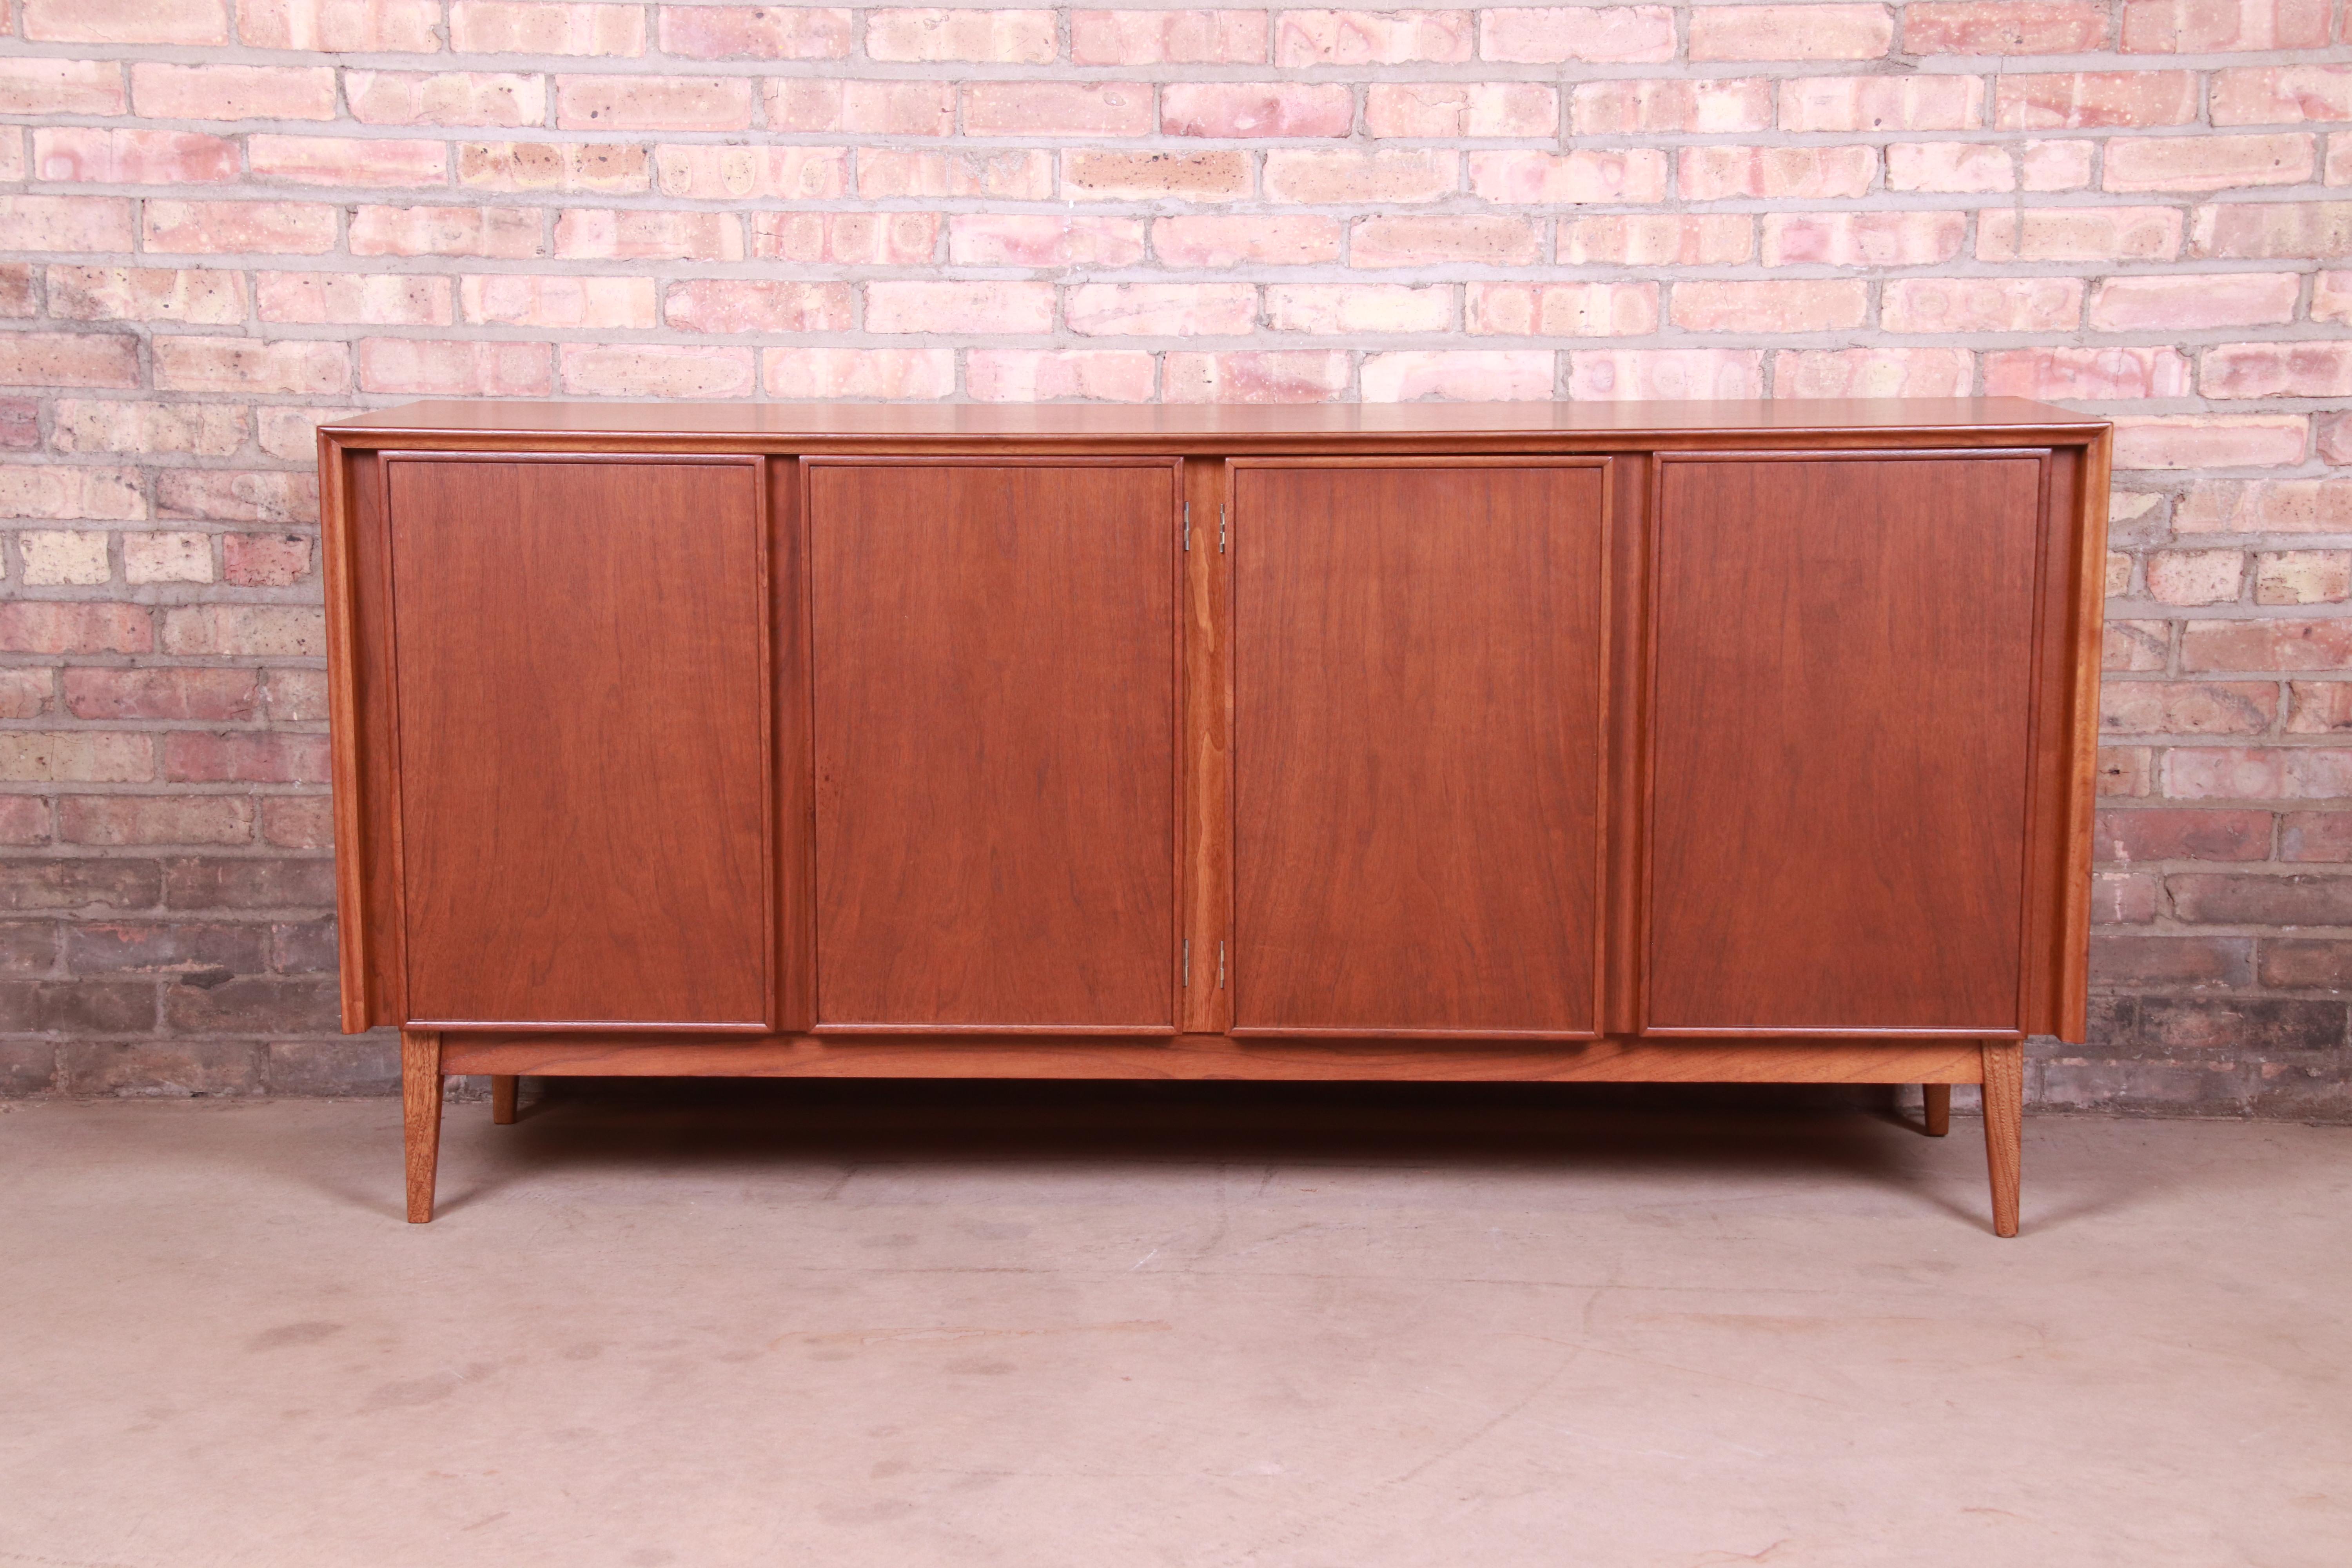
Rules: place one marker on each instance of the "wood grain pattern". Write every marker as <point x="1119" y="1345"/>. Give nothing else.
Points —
<point x="795" y="773"/>
<point x="1418" y="655"/>
<point x="420" y="1107"/>
<point x="351" y="872"/>
<point x="1206" y="1003"/>
<point x="584" y="798"/>
<point x="1842" y="702"/>
<point x="2078" y="656"/>
<point x="1208" y="1057"/>
<point x="994" y="656"/>
<point x="1936" y="1109"/>
<point x="505" y="1088"/>
<point x="2004" y="1118"/>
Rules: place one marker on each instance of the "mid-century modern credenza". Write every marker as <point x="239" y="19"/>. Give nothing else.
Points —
<point x="1694" y="741"/>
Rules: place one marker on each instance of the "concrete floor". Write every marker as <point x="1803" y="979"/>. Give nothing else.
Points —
<point x="1040" y="1327"/>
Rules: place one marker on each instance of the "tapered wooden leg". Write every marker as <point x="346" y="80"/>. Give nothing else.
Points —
<point x="2004" y="1118"/>
<point x="503" y="1086"/>
<point x="1938" y="1108"/>
<point x="420" y="1099"/>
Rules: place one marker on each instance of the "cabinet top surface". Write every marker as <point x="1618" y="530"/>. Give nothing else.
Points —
<point x="1212" y="424"/>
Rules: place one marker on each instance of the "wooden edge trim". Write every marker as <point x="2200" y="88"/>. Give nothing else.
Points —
<point x="2093" y="479"/>
<point x="347" y="809"/>
<point x="1201" y="1057"/>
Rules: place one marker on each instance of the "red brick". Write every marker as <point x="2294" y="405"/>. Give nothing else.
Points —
<point x="1148" y="176"/>
<point x="298" y="821"/>
<point x="1609" y="35"/>
<point x="1274" y="241"/>
<point x="2196" y="962"/>
<point x="446" y="98"/>
<point x="373" y="162"/>
<point x="352" y="27"/>
<point x="764" y="173"/>
<point x="1440" y="241"/>
<point x="227" y="496"/>
<point x="2311" y="963"/>
<point x="2210" y="26"/>
<point x="2331" y="300"/>
<point x="198" y="228"/>
<point x="657" y="370"/>
<point x="2078" y="234"/>
<point x="518" y="299"/>
<point x="2282" y="95"/>
<point x="1330" y="177"/>
<point x="1417" y="375"/>
<point x="117" y="819"/>
<point x="2004" y="27"/>
<point x="940" y="33"/>
<point x="57" y="490"/>
<point x="178" y="555"/>
<point x="1238" y="109"/>
<point x="754" y="305"/>
<point x="1167" y="38"/>
<point x="1058" y="109"/>
<point x="65" y="223"/>
<point x="2216" y="899"/>
<point x="546" y="27"/>
<point x="1548" y="179"/>
<point x="1045" y="375"/>
<point x="207" y="883"/>
<point x="2059" y="165"/>
<point x="1959" y="166"/>
<point x="2302" y="577"/>
<point x="1839" y="32"/>
<point x="1871" y="372"/>
<point x="1019" y="174"/>
<point x="1256" y="376"/>
<point x="2277" y="644"/>
<point x="1635" y="240"/>
<point x="125" y="21"/>
<point x="163" y="91"/>
<point x="1303" y="39"/>
<point x="1714" y="173"/>
<point x="41" y="626"/>
<point x="24" y="821"/>
<point x="298" y="695"/>
<point x="33" y="86"/>
<point x="1044" y="239"/>
<point x="133" y="157"/>
<point x="2207" y="163"/>
<point x="1332" y="309"/>
<point x="1812" y="305"/>
<point x="1882" y="103"/>
<point x="593" y="234"/>
<point x="2192" y="301"/>
<point x="1981" y="304"/>
<point x="265" y="560"/>
<point x="76" y="756"/>
<point x="1862" y="239"/>
<point x="2187" y="708"/>
<point x="361" y="299"/>
<point x="653" y="103"/>
<point x="616" y="167"/>
<point x="1461" y="109"/>
<point x="1608" y="375"/>
<point x="2277" y="370"/>
<point x="2277" y="506"/>
<point x="445" y="369"/>
<point x="20" y="424"/>
<point x="1562" y="310"/>
<point x="865" y="107"/>
<point x="846" y="238"/>
<point x="26" y="693"/>
<point x="2181" y="835"/>
<point x="68" y="359"/>
<point x="2093" y="99"/>
<point x="762" y="33"/>
<point x="964" y="307"/>
<point x="831" y="375"/>
<point x="2291" y="231"/>
<point x="2210" y="441"/>
<point x="1161" y="309"/>
<point x="258" y="631"/>
<point x="2093" y="373"/>
<point x="1629" y="108"/>
<point x="205" y="696"/>
<point x="251" y="365"/>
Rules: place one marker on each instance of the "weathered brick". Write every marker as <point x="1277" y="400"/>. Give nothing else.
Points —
<point x="1372" y="308"/>
<point x="1882" y="103"/>
<point x="1546" y="35"/>
<point x="46" y="86"/>
<point x="229" y="495"/>
<point x="205" y="695"/>
<point x="1716" y="106"/>
<point x="1308" y="38"/>
<point x="58" y="492"/>
<point x="2276" y="370"/>
<point x="1256" y="110"/>
<point x="2319" y="708"/>
<point x="43" y="627"/>
<point x="1415" y="375"/>
<point x="2282" y="95"/>
<point x="2210" y="441"/>
<point x="174" y="557"/>
<point x="208" y="883"/>
<point x="251" y="365"/>
<point x="1949" y="166"/>
<point x="294" y="228"/>
<point x="1714" y="173"/>
<point x="1167" y="38"/>
<point x="1006" y="174"/>
<point x="1610" y="374"/>
<point x="1414" y="241"/>
<point x="2302" y="577"/>
<point x="1211" y="241"/>
<point x="861" y="107"/>
<point x="572" y="167"/>
<point x="359" y="26"/>
<point x="65" y="223"/>
<point x="55" y="557"/>
<point x="166" y="91"/>
<point x="974" y="308"/>
<point x="518" y="299"/>
<point x="203" y="429"/>
<point x="546" y="27"/>
<point x="512" y="234"/>
<point x="653" y="103"/>
<point x="2078" y="234"/>
<point x="2208" y="163"/>
<point x="26" y="693"/>
<point x="831" y="374"/>
<point x="1549" y="179"/>
<point x="280" y="631"/>
<point x="446" y="98"/>
<point x="76" y="1007"/>
<point x="29" y="883"/>
<point x="2295" y="231"/>
<point x="1333" y="178"/>
<point x="1562" y="310"/>
<point x="1833" y="32"/>
<point x="753" y="305"/>
<point x="357" y="299"/>
<point x="200" y="948"/>
<point x="2316" y="836"/>
<point x="370" y="163"/>
<point x="1981" y="304"/>
<point x="1862" y="239"/>
<point x="169" y="1069"/>
<point x="2096" y="373"/>
<point x="604" y="233"/>
<point x="1062" y="109"/>
<point x="2209" y="27"/>
<point x="298" y="695"/>
<point x="76" y="756"/>
<point x="2196" y="962"/>
<point x="765" y="173"/>
<point x="657" y="370"/>
<point x="1146" y="176"/>
<point x="2307" y="963"/>
<point x="1042" y="375"/>
<point x="1255" y="376"/>
<point x="300" y="822"/>
<point x="1636" y="240"/>
<point x="1812" y="305"/>
<point x="445" y="368"/>
<point x="1461" y="109"/>
<point x="846" y="238"/>
<point x="117" y="819"/>
<point x="2194" y="300"/>
<point x="940" y="33"/>
<point x="1161" y="309"/>
<point x="2004" y="26"/>
<point x="27" y="947"/>
<point x="2210" y="897"/>
<point x="1026" y="239"/>
<point x="252" y="1005"/>
<point x="2073" y="100"/>
<point x="2187" y="708"/>
<point x="1872" y="373"/>
<point x="755" y="33"/>
<point x="132" y="156"/>
<point x="2179" y="833"/>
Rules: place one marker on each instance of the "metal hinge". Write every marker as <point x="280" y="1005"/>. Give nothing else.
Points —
<point x="1188" y="527"/>
<point x="1221" y="527"/>
<point x="1188" y="962"/>
<point x="1220" y="966"/>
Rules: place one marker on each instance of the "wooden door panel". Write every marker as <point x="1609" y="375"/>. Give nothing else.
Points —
<point x="994" y="657"/>
<point x="581" y="671"/>
<point x="1419" y="662"/>
<point x="1841" y="698"/>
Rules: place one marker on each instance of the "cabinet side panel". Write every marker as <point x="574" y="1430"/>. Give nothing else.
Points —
<point x="993" y="655"/>
<point x="1841" y="734"/>
<point x="368" y="812"/>
<point x="580" y="651"/>
<point x="1418" y="670"/>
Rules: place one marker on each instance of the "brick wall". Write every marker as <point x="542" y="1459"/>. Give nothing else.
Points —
<point x="222" y="219"/>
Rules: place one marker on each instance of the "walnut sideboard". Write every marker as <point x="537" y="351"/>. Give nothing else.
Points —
<point x="1692" y="742"/>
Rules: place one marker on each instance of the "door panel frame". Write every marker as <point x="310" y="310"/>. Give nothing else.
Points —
<point x="2039" y="850"/>
<point x="1609" y="700"/>
<point x="802" y="547"/>
<point x="755" y="468"/>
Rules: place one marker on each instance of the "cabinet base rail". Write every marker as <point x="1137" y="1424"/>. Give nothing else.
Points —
<point x="429" y="1057"/>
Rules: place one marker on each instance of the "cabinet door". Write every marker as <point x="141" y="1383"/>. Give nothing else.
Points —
<point x="1419" y="657"/>
<point x="993" y="658"/>
<point x="581" y="661"/>
<point x="1841" y="731"/>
